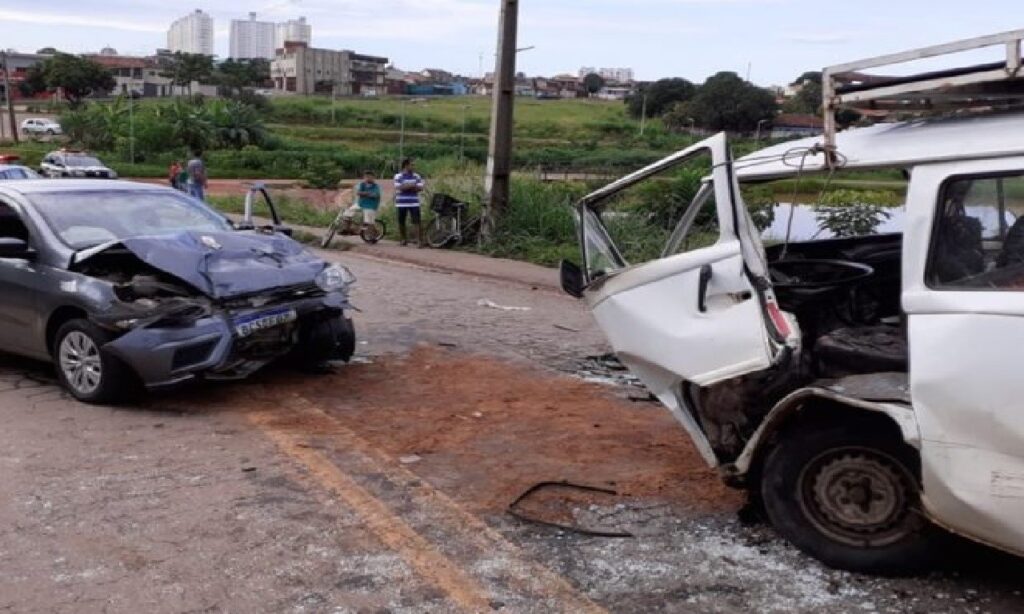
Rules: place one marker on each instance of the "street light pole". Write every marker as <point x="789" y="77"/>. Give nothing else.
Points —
<point x="499" y="155"/>
<point x="643" y="116"/>
<point x="401" y="137"/>
<point x="131" y="126"/>
<point x="757" y="135"/>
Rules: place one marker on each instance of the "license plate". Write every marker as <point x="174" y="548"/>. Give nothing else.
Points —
<point x="254" y="323"/>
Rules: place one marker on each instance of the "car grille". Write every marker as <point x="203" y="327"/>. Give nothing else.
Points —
<point x="192" y="355"/>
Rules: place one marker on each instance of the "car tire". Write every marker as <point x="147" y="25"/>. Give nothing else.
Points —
<point x="849" y="497"/>
<point x="85" y="369"/>
<point x="50" y="132"/>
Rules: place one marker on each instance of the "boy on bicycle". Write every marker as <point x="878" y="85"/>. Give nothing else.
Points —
<point x="367" y="200"/>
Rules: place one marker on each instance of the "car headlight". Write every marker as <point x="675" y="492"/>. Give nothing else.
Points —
<point x="78" y="173"/>
<point x="334" y="277"/>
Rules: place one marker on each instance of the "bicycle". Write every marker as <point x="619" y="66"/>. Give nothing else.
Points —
<point x="450" y="225"/>
<point x="346" y="226"/>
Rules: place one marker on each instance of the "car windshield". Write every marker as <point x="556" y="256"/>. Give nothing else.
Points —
<point x="89" y="218"/>
<point x="82" y="161"/>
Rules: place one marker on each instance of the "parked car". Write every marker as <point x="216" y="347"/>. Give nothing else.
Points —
<point x="119" y="283"/>
<point x="16" y="171"/>
<point x="70" y="163"/>
<point x="38" y="126"/>
<point x="864" y="388"/>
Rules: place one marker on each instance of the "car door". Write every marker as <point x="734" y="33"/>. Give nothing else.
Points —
<point x="703" y="312"/>
<point x="20" y="279"/>
<point x="964" y="299"/>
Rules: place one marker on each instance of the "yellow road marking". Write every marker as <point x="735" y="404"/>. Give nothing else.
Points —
<point x="428" y="563"/>
<point x="422" y="555"/>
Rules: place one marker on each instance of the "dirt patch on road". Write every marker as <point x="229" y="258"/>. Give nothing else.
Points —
<point x="484" y="430"/>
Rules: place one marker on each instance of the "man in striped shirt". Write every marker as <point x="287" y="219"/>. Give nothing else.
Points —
<point x="408" y="186"/>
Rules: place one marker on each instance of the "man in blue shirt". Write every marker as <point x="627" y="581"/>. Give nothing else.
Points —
<point x="408" y="186"/>
<point x="367" y="200"/>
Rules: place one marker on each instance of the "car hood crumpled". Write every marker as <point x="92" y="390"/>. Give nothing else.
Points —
<point x="222" y="264"/>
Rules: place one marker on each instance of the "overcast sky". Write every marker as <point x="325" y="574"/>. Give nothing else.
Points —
<point x="777" y="39"/>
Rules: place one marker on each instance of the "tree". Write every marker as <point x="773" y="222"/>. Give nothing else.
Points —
<point x="661" y="96"/>
<point x="47" y="51"/>
<point x="183" y="69"/>
<point x="74" y="75"/>
<point x="236" y="75"/>
<point x="808" y="97"/>
<point x="727" y="102"/>
<point x="593" y="83"/>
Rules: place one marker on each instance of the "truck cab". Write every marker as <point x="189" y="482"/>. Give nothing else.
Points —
<point x="863" y="387"/>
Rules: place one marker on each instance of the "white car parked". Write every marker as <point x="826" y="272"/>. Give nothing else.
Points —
<point x="867" y="389"/>
<point x="40" y="126"/>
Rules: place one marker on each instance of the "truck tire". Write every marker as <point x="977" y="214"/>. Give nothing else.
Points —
<point x="87" y="371"/>
<point x="849" y="497"/>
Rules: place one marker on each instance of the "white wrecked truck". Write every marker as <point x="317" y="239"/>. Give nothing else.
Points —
<point x="866" y="386"/>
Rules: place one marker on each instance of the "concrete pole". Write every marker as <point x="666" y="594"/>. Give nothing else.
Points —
<point x="10" y="100"/>
<point x="499" y="157"/>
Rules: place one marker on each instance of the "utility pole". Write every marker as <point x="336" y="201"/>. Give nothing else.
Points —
<point x="499" y="155"/>
<point x="10" y="99"/>
<point x="131" y="125"/>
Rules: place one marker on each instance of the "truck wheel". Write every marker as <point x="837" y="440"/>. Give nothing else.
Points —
<point x="85" y="370"/>
<point x="849" y="497"/>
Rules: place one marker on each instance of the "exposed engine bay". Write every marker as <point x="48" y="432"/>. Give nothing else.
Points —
<point x="845" y="295"/>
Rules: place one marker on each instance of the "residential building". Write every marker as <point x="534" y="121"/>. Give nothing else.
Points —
<point x="616" y="91"/>
<point x="143" y="76"/>
<point x="19" y="65"/>
<point x="300" y="69"/>
<point x="192" y="33"/>
<point x="792" y="125"/>
<point x="618" y="75"/>
<point x="437" y="76"/>
<point x="293" y="31"/>
<point x="567" y="86"/>
<point x="251" y="39"/>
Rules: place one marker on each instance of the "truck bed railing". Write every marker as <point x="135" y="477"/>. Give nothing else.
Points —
<point x="991" y="85"/>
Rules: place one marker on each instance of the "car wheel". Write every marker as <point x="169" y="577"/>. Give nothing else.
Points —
<point x="849" y="497"/>
<point x="50" y="132"/>
<point x="85" y="369"/>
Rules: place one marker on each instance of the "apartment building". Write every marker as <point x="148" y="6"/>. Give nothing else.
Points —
<point x="192" y="33"/>
<point x="252" y="39"/>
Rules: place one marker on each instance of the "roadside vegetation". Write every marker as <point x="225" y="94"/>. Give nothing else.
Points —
<point x="581" y="143"/>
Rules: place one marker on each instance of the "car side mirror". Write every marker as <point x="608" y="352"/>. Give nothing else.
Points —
<point x="572" y="278"/>
<point x="11" y="247"/>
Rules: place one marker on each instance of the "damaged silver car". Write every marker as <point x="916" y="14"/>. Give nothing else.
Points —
<point x="122" y="283"/>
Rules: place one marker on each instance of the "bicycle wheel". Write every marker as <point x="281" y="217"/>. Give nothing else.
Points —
<point x="443" y="231"/>
<point x="331" y="231"/>
<point x="372" y="234"/>
<point x="471" y="230"/>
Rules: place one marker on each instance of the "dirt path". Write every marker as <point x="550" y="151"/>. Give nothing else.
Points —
<point x="383" y="486"/>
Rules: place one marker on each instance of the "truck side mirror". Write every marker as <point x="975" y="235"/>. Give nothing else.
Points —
<point x="572" y="278"/>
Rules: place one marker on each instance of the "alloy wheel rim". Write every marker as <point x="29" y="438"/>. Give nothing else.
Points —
<point x="80" y="362"/>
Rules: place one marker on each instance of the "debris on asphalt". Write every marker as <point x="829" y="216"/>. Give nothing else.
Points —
<point x="557" y="507"/>
<point x="410" y="459"/>
<point x="486" y="302"/>
<point x="566" y="328"/>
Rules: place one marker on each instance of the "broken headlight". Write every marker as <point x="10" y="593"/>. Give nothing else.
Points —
<point x="333" y="278"/>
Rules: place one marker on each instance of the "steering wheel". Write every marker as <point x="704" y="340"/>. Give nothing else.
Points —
<point x="814" y="274"/>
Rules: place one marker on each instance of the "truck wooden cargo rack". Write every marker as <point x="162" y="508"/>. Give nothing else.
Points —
<point x="990" y="86"/>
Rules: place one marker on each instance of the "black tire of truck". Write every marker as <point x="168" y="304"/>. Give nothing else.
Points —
<point x="80" y="341"/>
<point x="849" y="497"/>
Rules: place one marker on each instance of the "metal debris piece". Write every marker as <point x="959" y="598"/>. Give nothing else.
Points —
<point x="515" y="513"/>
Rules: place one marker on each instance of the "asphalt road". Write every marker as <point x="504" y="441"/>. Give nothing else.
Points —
<point x="382" y="487"/>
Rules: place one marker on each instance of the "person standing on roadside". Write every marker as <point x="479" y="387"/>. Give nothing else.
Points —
<point x="173" y="172"/>
<point x="197" y="175"/>
<point x="408" y="186"/>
